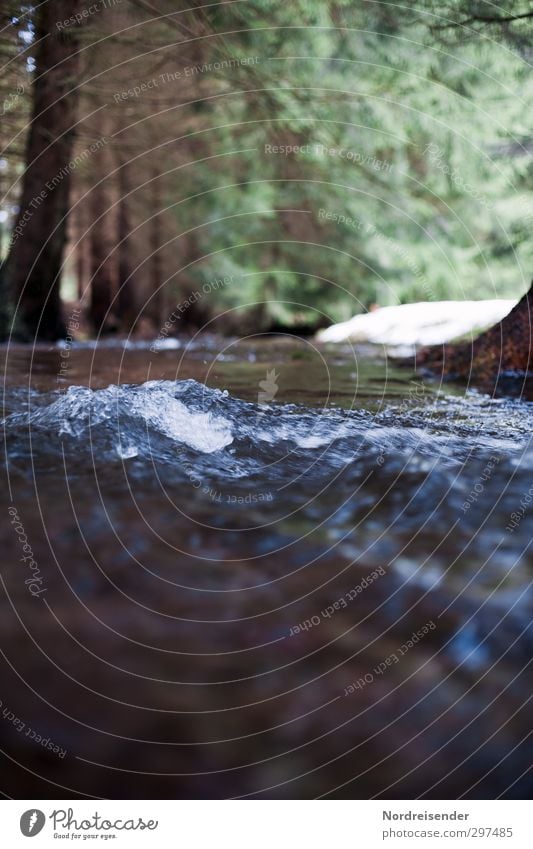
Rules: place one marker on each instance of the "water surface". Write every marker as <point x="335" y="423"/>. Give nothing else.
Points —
<point x="235" y="544"/>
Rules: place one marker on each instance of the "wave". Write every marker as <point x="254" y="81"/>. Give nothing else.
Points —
<point x="156" y="419"/>
<point x="385" y="486"/>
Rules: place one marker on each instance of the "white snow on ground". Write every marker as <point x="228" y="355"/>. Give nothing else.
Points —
<point x="425" y="323"/>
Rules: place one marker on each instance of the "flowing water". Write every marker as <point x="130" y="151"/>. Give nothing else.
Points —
<point x="263" y="568"/>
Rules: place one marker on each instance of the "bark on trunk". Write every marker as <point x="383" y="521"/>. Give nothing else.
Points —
<point x="506" y="347"/>
<point x="33" y="267"/>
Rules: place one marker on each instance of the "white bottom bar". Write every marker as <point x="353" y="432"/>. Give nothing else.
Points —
<point x="266" y="824"/>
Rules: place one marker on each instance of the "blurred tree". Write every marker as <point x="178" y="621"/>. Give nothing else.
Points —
<point x="15" y="35"/>
<point x="508" y="346"/>
<point x="327" y="156"/>
<point x="32" y="268"/>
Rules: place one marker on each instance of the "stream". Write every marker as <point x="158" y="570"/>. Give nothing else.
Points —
<point x="263" y="568"/>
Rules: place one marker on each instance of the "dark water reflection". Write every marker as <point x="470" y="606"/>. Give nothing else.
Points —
<point x="227" y="588"/>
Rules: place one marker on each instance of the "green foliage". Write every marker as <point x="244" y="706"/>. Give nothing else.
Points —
<point x="384" y="218"/>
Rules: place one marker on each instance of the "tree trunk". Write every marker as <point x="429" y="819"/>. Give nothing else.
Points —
<point x="82" y="267"/>
<point x="33" y="267"/>
<point x="506" y="347"/>
<point x="82" y="261"/>
<point x="155" y="304"/>
<point x="127" y="308"/>
<point x="102" y="261"/>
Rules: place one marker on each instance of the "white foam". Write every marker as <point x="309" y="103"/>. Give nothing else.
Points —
<point x="200" y="431"/>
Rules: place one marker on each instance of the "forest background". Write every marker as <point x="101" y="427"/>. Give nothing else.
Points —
<point x="259" y="165"/>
